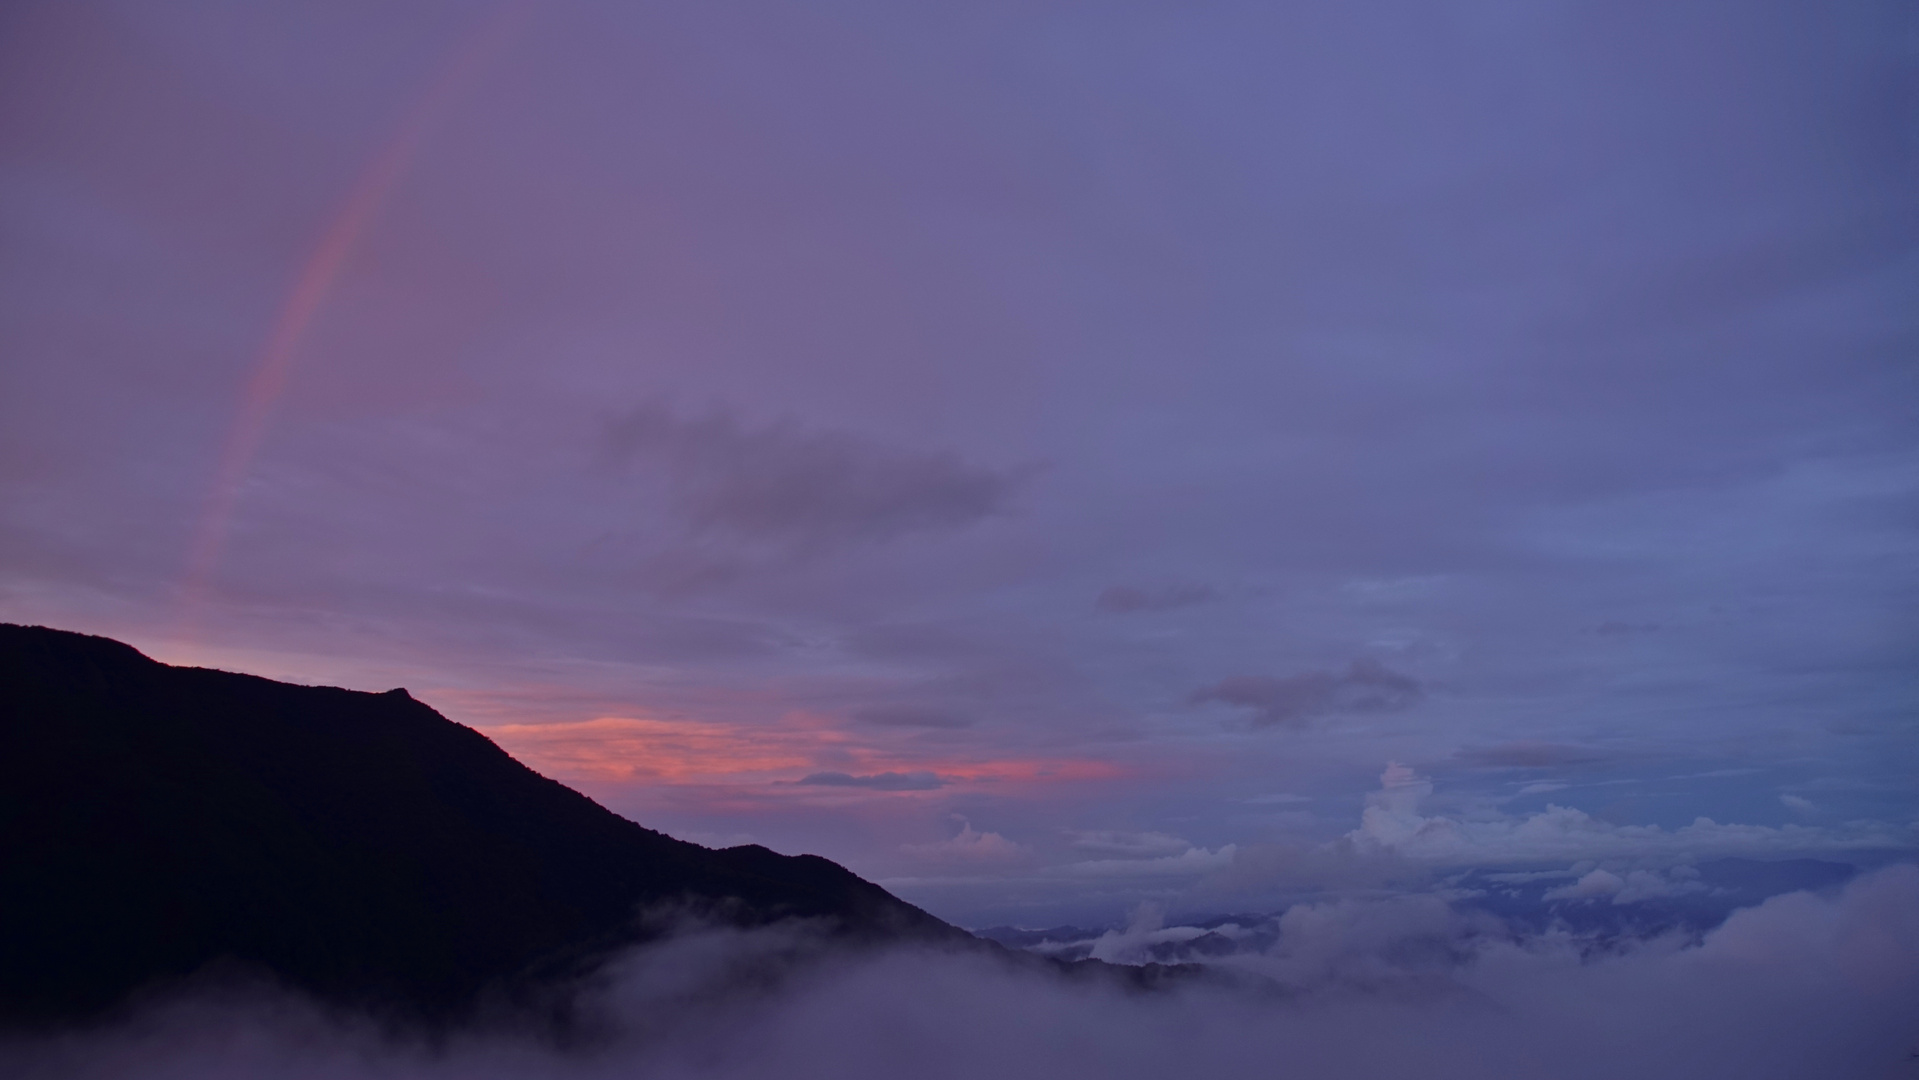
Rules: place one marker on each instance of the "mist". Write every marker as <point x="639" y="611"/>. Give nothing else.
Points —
<point x="1802" y="985"/>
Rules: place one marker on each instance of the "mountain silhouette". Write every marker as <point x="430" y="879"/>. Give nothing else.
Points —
<point x="361" y="847"/>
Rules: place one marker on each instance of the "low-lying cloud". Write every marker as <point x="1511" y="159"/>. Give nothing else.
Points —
<point x="1295" y="700"/>
<point x="1632" y="887"/>
<point x="1392" y="824"/>
<point x="1801" y="985"/>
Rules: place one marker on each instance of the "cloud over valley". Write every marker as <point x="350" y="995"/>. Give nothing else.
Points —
<point x="1803" y="984"/>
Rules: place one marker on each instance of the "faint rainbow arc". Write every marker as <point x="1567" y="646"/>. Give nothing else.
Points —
<point x="268" y="382"/>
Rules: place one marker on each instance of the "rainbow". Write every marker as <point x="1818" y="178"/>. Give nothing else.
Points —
<point x="267" y="384"/>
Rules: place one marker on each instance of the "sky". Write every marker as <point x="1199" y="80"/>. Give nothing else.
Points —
<point x="1049" y="457"/>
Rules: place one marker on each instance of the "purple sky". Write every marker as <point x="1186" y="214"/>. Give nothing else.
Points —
<point x="1043" y="455"/>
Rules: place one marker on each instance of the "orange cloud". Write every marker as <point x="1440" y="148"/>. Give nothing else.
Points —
<point x="680" y="751"/>
<point x="626" y="748"/>
<point x="1029" y="770"/>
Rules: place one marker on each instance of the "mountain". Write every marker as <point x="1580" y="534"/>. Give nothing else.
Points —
<point x="1696" y="899"/>
<point x="1690" y="901"/>
<point x="358" y="846"/>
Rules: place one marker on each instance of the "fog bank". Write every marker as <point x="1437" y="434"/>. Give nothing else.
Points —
<point x="1802" y="985"/>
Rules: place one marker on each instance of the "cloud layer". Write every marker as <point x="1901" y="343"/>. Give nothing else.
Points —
<point x="1801" y="985"/>
<point x="1392" y="825"/>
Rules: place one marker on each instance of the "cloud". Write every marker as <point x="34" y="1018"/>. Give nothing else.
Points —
<point x="911" y="716"/>
<point x="1799" y="803"/>
<point x="970" y="845"/>
<point x="1293" y="701"/>
<point x="1143" y="937"/>
<point x="1128" y="866"/>
<point x="786" y="485"/>
<point x="1868" y="935"/>
<point x="1125" y="599"/>
<point x="1631" y="888"/>
<point x="886" y="781"/>
<point x="664" y="749"/>
<point x="1391" y="824"/>
<point x="1404" y="943"/>
<point x="1801" y="985"/>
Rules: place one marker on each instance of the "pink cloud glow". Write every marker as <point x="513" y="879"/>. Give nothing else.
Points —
<point x="683" y="751"/>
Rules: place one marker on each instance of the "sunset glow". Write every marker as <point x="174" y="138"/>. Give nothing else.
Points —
<point x="676" y="751"/>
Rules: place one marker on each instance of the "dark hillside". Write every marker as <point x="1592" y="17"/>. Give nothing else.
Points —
<point x="359" y="846"/>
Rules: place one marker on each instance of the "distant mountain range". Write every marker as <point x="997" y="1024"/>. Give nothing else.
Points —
<point x="360" y="847"/>
<point x="1688" y="901"/>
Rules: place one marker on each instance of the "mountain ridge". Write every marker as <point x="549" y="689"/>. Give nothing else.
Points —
<point x="155" y="820"/>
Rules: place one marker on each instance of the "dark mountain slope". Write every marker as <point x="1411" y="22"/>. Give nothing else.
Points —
<point x="359" y="846"/>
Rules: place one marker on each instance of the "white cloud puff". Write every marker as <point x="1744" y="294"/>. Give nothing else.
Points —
<point x="970" y="845"/>
<point x="1631" y="887"/>
<point x="1392" y="824"/>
